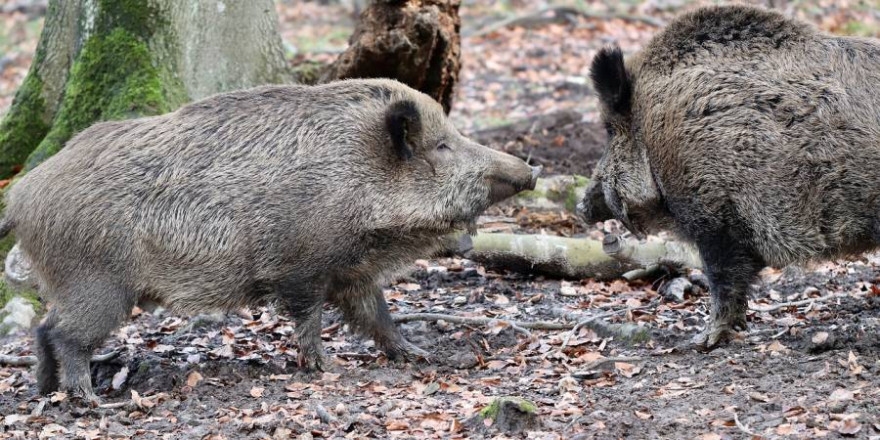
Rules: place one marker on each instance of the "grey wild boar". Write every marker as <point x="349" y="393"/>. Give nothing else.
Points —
<point x="293" y="194"/>
<point x="755" y="136"/>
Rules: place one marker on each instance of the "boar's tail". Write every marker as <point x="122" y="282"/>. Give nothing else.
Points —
<point x="6" y="226"/>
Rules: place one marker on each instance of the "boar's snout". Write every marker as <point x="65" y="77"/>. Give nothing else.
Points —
<point x="510" y="175"/>
<point x="593" y="208"/>
<point x="536" y="171"/>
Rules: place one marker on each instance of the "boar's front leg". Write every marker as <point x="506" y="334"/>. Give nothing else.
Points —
<point x="365" y="310"/>
<point x="731" y="266"/>
<point x="305" y="302"/>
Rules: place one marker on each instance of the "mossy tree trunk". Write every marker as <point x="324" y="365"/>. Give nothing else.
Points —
<point x="116" y="59"/>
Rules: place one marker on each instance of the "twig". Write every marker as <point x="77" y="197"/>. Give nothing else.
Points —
<point x="625" y="332"/>
<point x="560" y="13"/>
<point x="357" y="356"/>
<point x="594" y="322"/>
<point x="743" y="427"/>
<point x="26" y="361"/>
<point x="639" y="274"/>
<point x="482" y="320"/>
<point x="583" y="322"/>
<point x="17" y="361"/>
<point x="802" y="302"/>
<point x="115" y="405"/>
<point x="586" y="372"/>
<point x="325" y="416"/>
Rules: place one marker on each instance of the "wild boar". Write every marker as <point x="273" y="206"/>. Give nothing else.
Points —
<point x="294" y="194"/>
<point x="755" y="136"/>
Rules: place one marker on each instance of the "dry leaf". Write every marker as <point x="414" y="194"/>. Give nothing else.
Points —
<point x="58" y="396"/>
<point x="409" y="287"/>
<point x="119" y="378"/>
<point x="841" y="395"/>
<point x="627" y="369"/>
<point x="776" y="347"/>
<point x="849" y="427"/>
<point x="784" y="429"/>
<point x="455" y="426"/>
<point x="397" y="425"/>
<point x="710" y="436"/>
<point x="754" y="395"/>
<point x="496" y="364"/>
<point x="820" y="337"/>
<point x="193" y="379"/>
<point x="257" y="392"/>
<point x="141" y="402"/>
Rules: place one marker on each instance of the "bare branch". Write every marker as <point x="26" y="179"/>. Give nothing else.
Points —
<point x="25" y="361"/>
<point x="799" y="303"/>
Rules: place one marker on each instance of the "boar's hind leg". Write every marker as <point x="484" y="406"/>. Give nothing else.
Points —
<point x="366" y="311"/>
<point x="86" y="314"/>
<point x="47" y="362"/>
<point x="731" y="267"/>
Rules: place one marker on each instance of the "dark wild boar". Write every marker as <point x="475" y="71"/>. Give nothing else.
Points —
<point x="755" y="136"/>
<point x="293" y="194"/>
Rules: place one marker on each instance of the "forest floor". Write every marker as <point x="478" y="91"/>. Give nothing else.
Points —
<point x="808" y="370"/>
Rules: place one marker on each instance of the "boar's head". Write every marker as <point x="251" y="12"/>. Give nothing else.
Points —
<point x="623" y="186"/>
<point x="439" y="180"/>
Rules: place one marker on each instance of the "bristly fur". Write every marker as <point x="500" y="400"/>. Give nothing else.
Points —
<point x="751" y="134"/>
<point x="611" y="80"/>
<point x="289" y="194"/>
<point x="403" y="124"/>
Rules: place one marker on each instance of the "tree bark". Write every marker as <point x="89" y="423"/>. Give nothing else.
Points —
<point x="117" y="59"/>
<point x="414" y="41"/>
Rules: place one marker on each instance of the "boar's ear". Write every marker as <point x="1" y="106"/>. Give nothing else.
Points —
<point x="611" y="80"/>
<point x="404" y="125"/>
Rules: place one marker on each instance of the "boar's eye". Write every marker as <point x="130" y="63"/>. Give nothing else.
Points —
<point x="610" y="130"/>
<point x="443" y="147"/>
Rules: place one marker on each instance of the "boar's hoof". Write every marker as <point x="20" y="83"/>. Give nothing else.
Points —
<point x="86" y="398"/>
<point x="408" y="352"/>
<point x="716" y="333"/>
<point x="315" y="362"/>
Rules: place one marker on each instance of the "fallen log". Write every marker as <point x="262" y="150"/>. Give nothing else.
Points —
<point x="557" y="257"/>
<point x="571" y="258"/>
<point x="652" y="251"/>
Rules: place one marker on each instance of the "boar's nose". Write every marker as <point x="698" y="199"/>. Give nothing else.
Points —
<point x="536" y="171"/>
<point x="509" y="175"/>
<point x="593" y="207"/>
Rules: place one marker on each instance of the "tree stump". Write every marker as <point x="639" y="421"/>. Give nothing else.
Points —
<point x="512" y="415"/>
<point x="414" y="41"/>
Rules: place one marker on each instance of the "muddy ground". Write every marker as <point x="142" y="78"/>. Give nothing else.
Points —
<point x="810" y="370"/>
<point x="234" y="377"/>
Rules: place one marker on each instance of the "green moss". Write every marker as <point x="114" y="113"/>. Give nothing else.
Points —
<point x="138" y="17"/>
<point x="24" y="126"/>
<point x="113" y="78"/>
<point x="308" y="72"/>
<point x="7" y="293"/>
<point x="491" y="411"/>
<point x="6" y="245"/>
